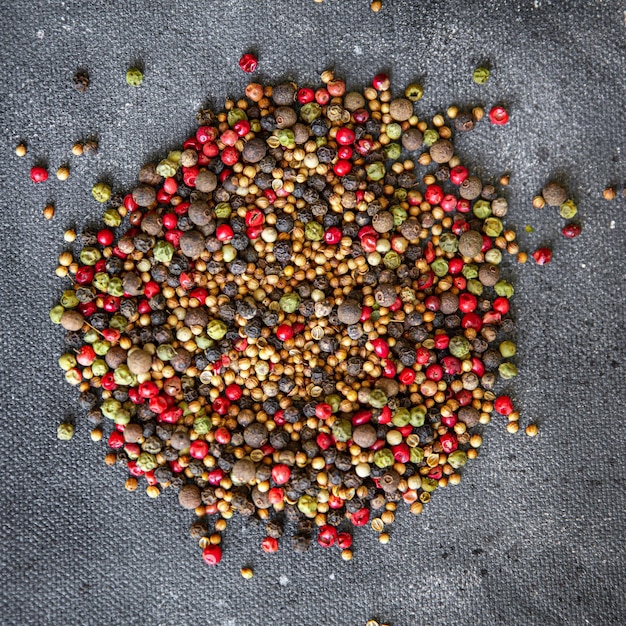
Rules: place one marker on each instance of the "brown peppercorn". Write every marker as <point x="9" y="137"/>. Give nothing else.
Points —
<point x="449" y="303"/>
<point x="192" y="244"/>
<point x="132" y="284"/>
<point x="364" y="435"/>
<point x="353" y="101"/>
<point x="284" y="94"/>
<point x="72" y="320"/>
<point x="255" y="149"/>
<point x="285" y="117"/>
<point x="206" y="181"/>
<point x="465" y="121"/>
<point x="411" y="229"/>
<point x="609" y="193"/>
<point x="412" y="139"/>
<point x="133" y="433"/>
<point x="470" y="243"/>
<point x="115" y="357"/>
<point x="401" y="109"/>
<point x="489" y="274"/>
<point x="470" y="188"/>
<point x="188" y="158"/>
<point x="152" y="223"/>
<point x="180" y="440"/>
<point x="385" y="294"/>
<point x="189" y="497"/>
<point x="139" y="361"/>
<point x="382" y="222"/>
<point x="200" y="213"/>
<point x="148" y="175"/>
<point x="469" y="416"/>
<point x="389" y="481"/>
<point x="554" y="193"/>
<point x="196" y="317"/>
<point x="255" y="435"/>
<point x="349" y="312"/>
<point x="441" y="151"/>
<point x="243" y="472"/>
<point x="144" y="195"/>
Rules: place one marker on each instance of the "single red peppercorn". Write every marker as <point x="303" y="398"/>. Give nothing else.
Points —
<point x="449" y="420"/>
<point x="467" y="302"/>
<point x="361" y="116"/>
<point x="242" y="128"/>
<point x="216" y="476"/>
<point x="281" y="473"/>
<point x="305" y="95"/>
<point x="498" y="116"/>
<point x="105" y="237"/>
<point x="322" y="97"/>
<point x="441" y="341"/>
<point x="333" y="236"/>
<point x="361" y="417"/>
<point x="84" y="274"/>
<point x="230" y="155"/>
<point x="327" y="536"/>
<point x="276" y="495"/>
<point x="198" y="449"/>
<point x="458" y="174"/>
<point x="345" y="152"/>
<point x="323" y="440"/>
<point x="360" y="517"/>
<point x="323" y="411"/>
<point x="170" y="186"/>
<point x="501" y="305"/>
<point x="448" y="442"/>
<point x="381" y="82"/>
<point x="222" y="435"/>
<point x="38" y="174"/>
<point x="148" y="389"/>
<point x="385" y="415"/>
<point x="434" y="194"/>
<point x="345" y="136"/>
<point x="254" y="217"/>
<point x="401" y="453"/>
<point x="472" y="320"/>
<point x="344" y="540"/>
<point x="284" y="332"/>
<point x="116" y="440"/>
<point x="571" y="230"/>
<point x="224" y="232"/>
<point x="434" y="372"/>
<point x="221" y="405"/>
<point x="233" y="392"/>
<point x="448" y="203"/>
<point x="269" y="545"/>
<point x="542" y="256"/>
<point x="212" y="555"/>
<point x="389" y="368"/>
<point x="503" y="405"/>
<point x="380" y="347"/>
<point x="342" y="167"/>
<point x="407" y="376"/>
<point x="422" y="355"/>
<point x="248" y="63"/>
<point x="86" y="355"/>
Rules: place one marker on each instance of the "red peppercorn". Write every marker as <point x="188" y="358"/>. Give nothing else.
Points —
<point x="401" y="453"/>
<point x="571" y="230"/>
<point x="242" y="128"/>
<point x="322" y="97"/>
<point x="333" y="236"/>
<point x="269" y="545"/>
<point x="38" y="174"/>
<point x="212" y="555"/>
<point x="281" y="473"/>
<point x="336" y="88"/>
<point x="451" y="365"/>
<point x="151" y="289"/>
<point x="345" y="152"/>
<point x="111" y="304"/>
<point x="368" y="243"/>
<point x="230" y="156"/>
<point x="342" y="167"/>
<point x="501" y="305"/>
<point x="344" y="540"/>
<point x="361" y="116"/>
<point x="449" y="442"/>
<point x="222" y="435"/>
<point x="381" y="82"/>
<point x="432" y="303"/>
<point x="441" y="341"/>
<point x="458" y="174"/>
<point x="464" y="206"/>
<point x="472" y="320"/>
<point x="542" y="256"/>
<point x="407" y="376"/>
<point x="86" y="355"/>
<point x="84" y="274"/>
<point x="449" y="420"/>
<point x="221" y="405"/>
<point x="233" y="392"/>
<point x="327" y="536"/>
<point x="170" y="221"/>
<point x="254" y="217"/>
<point x="130" y="203"/>
<point x="389" y="369"/>
<point x="198" y="449"/>
<point x="360" y="517"/>
<point x="455" y="266"/>
<point x="385" y="415"/>
<point x="503" y="405"/>
<point x="478" y="367"/>
<point x="381" y="347"/>
<point x="323" y="411"/>
<point x="498" y="116"/>
<point x="345" y="136"/>
<point x="335" y="502"/>
<point x="276" y="495"/>
<point x="422" y="355"/>
<point x="323" y="440"/>
<point x="305" y="95"/>
<point x="105" y="237"/>
<point x="170" y="416"/>
<point x="216" y="476"/>
<point x="467" y="302"/>
<point x="434" y="194"/>
<point x="148" y="389"/>
<point x="434" y="372"/>
<point x="224" y="232"/>
<point x="361" y="417"/>
<point x="170" y="186"/>
<point x="284" y="332"/>
<point x="248" y="63"/>
<point x="116" y="440"/>
<point x="448" y="203"/>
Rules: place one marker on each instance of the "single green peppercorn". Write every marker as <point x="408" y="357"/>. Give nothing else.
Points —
<point x="504" y="288"/>
<point x="392" y="260"/>
<point x="167" y="168"/>
<point x="163" y="251"/>
<point x="202" y="424"/>
<point x="430" y="137"/>
<point x="507" y="349"/>
<point x="334" y="400"/>
<point x="119" y="322"/>
<point x="123" y="376"/>
<point x="314" y="231"/>
<point x="457" y="459"/>
<point x="101" y="347"/>
<point x="223" y="210"/>
<point x="69" y="299"/>
<point x="342" y="430"/>
<point x="429" y="484"/>
<point x="99" y="367"/>
<point x="285" y="137"/>
<point x="91" y="336"/>
<point x="101" y="192"/>
<point x="112" y="218"/>
<point x="414" y="92"/>
<point x="394" y="131"/>
<point x="101" y="281"/>
<point x="417" y="455"/>
<point x="90" y="256"/>
<point x="67" y="361"/>
<point x="459" y="346"/>
<point x="383" y="458"/>
<point x="482" y="209"/>
<point x="65" y="431"/>
<point x="310" y="112"/>
<point x="56" y="313"/>
<point x="417" y="416"/>
<point x="493" y="256"/>
<point x="492" y="227"/>
<point x="399" y="215"/>
<point x="378" y="398"/>
<point x="448" y="242"/>
<point x="115" y="287"/>
<point x="134" y="77"/>
<point x="110" y="407"/>
<point x="439" y="267"/>
<point x="147" y="462"/>
<point x="289" y="302"/>
<point x="307" y="505"/>
<point x="236" y="115"/>
<point x="375" y="171"/>
<point x="203" y="342"/>
<point x="568" y="210"/>
<point x="481" y="75"/>
<point x="216" y="329"/>
<point x="165" y="352"/>
<point x="507" y="370"/>
<point x="392" y="151"/>
<point x="470" y="271"/>
<point x="475" y="287"/>
<point x="401" y="417"/>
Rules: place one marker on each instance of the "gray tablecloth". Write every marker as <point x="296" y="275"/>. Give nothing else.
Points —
<point x="535" y="533"/>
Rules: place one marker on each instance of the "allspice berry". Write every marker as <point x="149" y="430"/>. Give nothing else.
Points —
<point x="353" y="101"/>
<point x="489" y="274"/>
<point x="383" y="222"/>
<point x="72" y="320"/>
<point x="133" y="433"/>
<point x="349" y="312"/>
<point x="412" y="139"/>
<point x="206" y="181"/>
<point x="192" y="244"/>
<point x="189" y="497"/>
<point x="470" y="243"/>
<point x="469" y="416"/>
<point x="385" y="294"/>
<point x="139" y="361"/>
<point x="401" y="109"/>
<point x="200" y="213"/>
<point x="554" y="193"/>
<point x="441" y="151"/>
<point x="253" y="151"/>
<point x="284" y="94"/>
<point x="364" y="435"/>
<point x="144" y="195"/>
<point x="243" y="472"/>
<point x="470" y="188"/>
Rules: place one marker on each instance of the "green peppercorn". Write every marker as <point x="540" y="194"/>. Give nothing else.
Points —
<point x="401" y="417"/>
<point x="383" y="458"/>
<point x="119" y="322"/>
<point x="236" y="115"/>
<point x="342" y="430"/>
<point x="123" y="376"/>
<point x="110" y="407"/>
<point x="481" y="75"/>
<point x="392" y="260"/>
<point x="310" y="112"/>
<point x="163" y="251"/>
<point x="112" y="218"/>
<point x="392" y="151"/>
<point x="482" y="209"/>
<point x="289" y="302"/>
<point x="417" y="455"/>
<point x="203" y="342"/>
<point x="334" y="400"/>
<point x="493" y="256"/>
<point x="475" y="287"/>
<point x="216" y="329"/>
<point x="459" y="346"/>
<point x="429" y="484"/>
<point x="375" y="171"/>
<point x="439" y="267"/>
<point x="568" y="210"/>
<point x="378" y="398"/>
<point x="507" y="349"/>
<point x="504" y="288"/>
<point x="91" y="336"/>
<point x="99" y="367"/>
<point x="202" y="424"/>
<point x="307" y="505"/>
<point x="101" y="192"/>
<point x="417" y="416"/>
<point x="65" y="431"/>
<point x="457" y="459"/>
<point x="134" y="77"/>
<point x="122" y="417"/>
<point x="507" y="370"/>
<point x="167" y="168"/>
<point x="90" y="256"/>
<point x="56" y="313"/>
<point x="492" y="227"/>
<point x="101" y="281"/>
<point x="285" y="137"/>
<point x="470" y="270"/>
<point x="69" y="299"/>
<point x="223" y="210"/>
<point x="165" y="351"/>
<point x="448" y="242"/>
<point x="314" y="231"/>
<point x="67" y="361"/>
<point x="393" y="131"/>
<point x="430" y="137"/>
<point x="147" y="462"/>
<point x="414" y="92"/>
<point x="399" y="215"/>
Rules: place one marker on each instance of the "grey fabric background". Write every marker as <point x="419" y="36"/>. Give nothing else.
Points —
<point x="535" y="533"/>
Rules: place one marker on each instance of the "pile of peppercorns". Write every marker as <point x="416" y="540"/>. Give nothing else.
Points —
<point x="305" y="318"/>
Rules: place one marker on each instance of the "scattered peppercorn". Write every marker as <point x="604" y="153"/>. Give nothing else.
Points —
<point x="481" y="75"/>
<point x="134" y="77"/>
<point x="63" y="173"/>
<point x="20" y="149"/>
<point x="248" y="63"/>
<point x="532" y="430"/>
<point x="80" y="81"/>
<point x="77" y="149"/>
<point x="609" y="193"/>
<point x="247" y="572"/>
<point x="48" y="211"/>
<point x="376" y="5"/>
<point x="291" y="324"/>
<point x="65" y="431"/>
